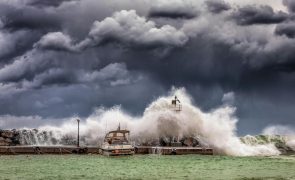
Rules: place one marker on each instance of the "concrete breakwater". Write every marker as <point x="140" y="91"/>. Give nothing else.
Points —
<point x="15" y="142"/>
<point x="35" y="137"/>
<point x="17" y="150"/>
<point x="30" y="137"/>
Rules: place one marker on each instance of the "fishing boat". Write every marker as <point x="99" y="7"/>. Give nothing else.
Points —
<point x="117" y="143"/>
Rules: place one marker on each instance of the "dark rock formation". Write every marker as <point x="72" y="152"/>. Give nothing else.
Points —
<point x="9" y="137"/>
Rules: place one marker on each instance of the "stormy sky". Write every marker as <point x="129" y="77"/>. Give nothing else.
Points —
<point x="60" y="58"/>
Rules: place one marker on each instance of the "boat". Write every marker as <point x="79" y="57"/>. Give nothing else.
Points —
<point x="117" y="143"/>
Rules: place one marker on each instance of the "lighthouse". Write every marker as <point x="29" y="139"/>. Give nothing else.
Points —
<point x="176" y="104"/>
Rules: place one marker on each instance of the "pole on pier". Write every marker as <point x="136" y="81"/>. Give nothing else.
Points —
<point x="78" y="143"/>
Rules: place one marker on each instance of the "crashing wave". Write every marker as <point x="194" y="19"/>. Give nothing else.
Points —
<point x="216" y="128"/>
<point x="283" y="143"/>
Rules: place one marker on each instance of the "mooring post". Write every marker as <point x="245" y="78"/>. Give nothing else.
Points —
<point x="78" y="143"/>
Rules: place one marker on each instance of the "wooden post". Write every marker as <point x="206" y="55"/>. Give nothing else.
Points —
<point x="78" y="143"/>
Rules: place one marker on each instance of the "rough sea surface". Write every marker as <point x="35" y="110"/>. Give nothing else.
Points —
<point x="147" y="167"/>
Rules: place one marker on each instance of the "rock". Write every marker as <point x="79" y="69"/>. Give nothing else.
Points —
<point x="175" y="144"/>
<point x="190" y="141"/>
<point x="7" y="133"/>
<point x="15" y="140"/>
<point x="9" y="141"/>
<point x="9" y="137"/>
<point x="4" y="143"/>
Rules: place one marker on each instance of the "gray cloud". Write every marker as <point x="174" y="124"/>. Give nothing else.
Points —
<point x="24" y="67"/>
<point x="287" y="29"/>
<point x="249" y="15"/>
<point x="1" y="24"/>
<point x="128" y="27"/>
<point x="174" y="9"/>
<point x="7" y="43"/>
<point x="27" y="17"/>
<point x="290" y="5"/>
<point x="217" y="6"/>
<point x="56" y="41"/>
<point x="53" y="76"/>
<point x="123" y="27"/>
<point x="115" y="74"/>
<point x="65" y="59"/>
<point x="46" y="3"/>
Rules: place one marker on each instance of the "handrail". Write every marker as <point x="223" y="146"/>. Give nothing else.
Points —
<point x="177" y="107"/>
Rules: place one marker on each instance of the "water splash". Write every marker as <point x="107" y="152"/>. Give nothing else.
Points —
<point x="286" y="131"/>
<point x="216" y="129"/>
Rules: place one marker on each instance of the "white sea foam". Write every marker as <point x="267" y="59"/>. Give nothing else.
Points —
<point x="216" y="129"/>
<point x="287" y="131"/>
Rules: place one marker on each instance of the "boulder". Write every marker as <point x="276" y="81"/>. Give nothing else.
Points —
<point x="9" y="141"/>
<point x="15" y="140"/>
<point x="190" y="141"/>
<point x="7" y="133"/>
<point x="4" y="143"/>
<point x="9" y="137"/>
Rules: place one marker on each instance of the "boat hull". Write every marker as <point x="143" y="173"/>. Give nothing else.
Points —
<point x="117" y="152"/>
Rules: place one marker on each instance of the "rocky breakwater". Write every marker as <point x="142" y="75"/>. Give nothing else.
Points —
<point x="9" y="137"/>
<point x="28" y="137"/>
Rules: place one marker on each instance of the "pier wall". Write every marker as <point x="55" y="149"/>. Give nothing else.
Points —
<point x="17" y="150"/>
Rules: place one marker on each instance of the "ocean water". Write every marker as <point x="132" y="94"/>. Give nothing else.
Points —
<point x="146" y="167"/>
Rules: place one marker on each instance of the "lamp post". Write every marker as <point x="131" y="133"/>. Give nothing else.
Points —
<point x="78" y="143"/>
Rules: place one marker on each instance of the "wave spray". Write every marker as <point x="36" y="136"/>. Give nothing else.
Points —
<point x="216" y="128"/>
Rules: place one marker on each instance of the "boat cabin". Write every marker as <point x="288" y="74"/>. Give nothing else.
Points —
<point x="117" y="143"/>
<point x="117" y="137"/>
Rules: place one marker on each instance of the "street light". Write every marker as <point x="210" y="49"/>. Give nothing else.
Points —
<point x="78" y="143"/>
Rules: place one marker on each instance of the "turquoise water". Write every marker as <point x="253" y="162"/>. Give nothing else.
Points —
<point x="145" y="167"/>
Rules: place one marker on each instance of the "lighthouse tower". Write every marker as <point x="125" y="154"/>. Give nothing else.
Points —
<point x="176" y="104"/>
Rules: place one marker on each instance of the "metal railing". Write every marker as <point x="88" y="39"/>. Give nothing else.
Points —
<point x="177" y="107"/>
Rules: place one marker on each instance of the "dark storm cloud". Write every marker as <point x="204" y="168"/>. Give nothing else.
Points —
<point x="263" y="14"/>
<point x="290" y="5"/>
<point x="125" y="27"/>
<point x="21" y="27"/>
<point x="287" y="29"/>
<point x="53" y="76"/>
<point x="46" y="3"/>
<point x="25" y="67"/>
<point x="112" y="84"/>
<point x="173" y="9"/>
<point x="217" y="6"/>
<point x="16" y="43"/>
<point x="68" y="58"/>
<point x="27" y="17"/>
<point x="159" y="13"/>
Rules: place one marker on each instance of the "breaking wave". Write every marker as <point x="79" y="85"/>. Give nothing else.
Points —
<point x="216" y="129"/>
